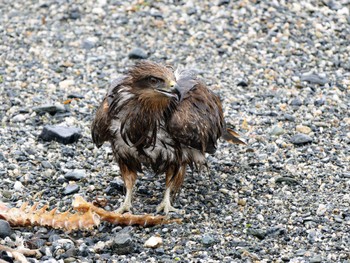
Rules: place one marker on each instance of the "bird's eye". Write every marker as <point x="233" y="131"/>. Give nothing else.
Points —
<point x="154" y="80"/>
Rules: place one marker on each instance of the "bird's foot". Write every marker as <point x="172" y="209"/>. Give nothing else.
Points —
<point x="124" y="208"/>
<point x="167" y="208"/>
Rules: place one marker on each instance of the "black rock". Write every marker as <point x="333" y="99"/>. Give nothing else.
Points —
<point x="5" y="229"/>
<point x="123" y="243"/>
<point x="242" y="83"/>
<point x="71" y="189"/>
<point x="287" y="180"/>
<point x="138" y="53"/>
<point x="300" y="139"/>
<point x="46" y="164"/>
<point x="52" y="109"/>
<point x="75" y="175"/>
<point x="61" y="134"/>
<point x="259" y="233"/>
<point x="314" y="79"/>
<point x="115" y="186"/>
<point x="223" y="2"/>
<point x="75" y="96"/>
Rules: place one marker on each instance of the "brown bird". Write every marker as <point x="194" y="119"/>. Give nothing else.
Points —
<point x="156" y="118"/>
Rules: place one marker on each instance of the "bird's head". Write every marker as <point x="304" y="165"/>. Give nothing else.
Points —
<point x="155" y="82"/>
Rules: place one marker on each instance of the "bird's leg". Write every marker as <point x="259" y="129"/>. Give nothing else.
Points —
<point x="174" y="180"/>
<point x="129" y="177"/>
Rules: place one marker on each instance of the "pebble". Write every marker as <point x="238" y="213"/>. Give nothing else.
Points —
<point x="89" y="42"/>
<point x="19" y="118"/>
<point x="300" y="139"/>
<point x="71" y="189"/>
<point x="303" y="129"/>
<point x="123" y="243"/>
<point x="50" y="108"/>
<point x="65" y="84"/>
<point x="153" y="242"/>
<point x="277" y="130"/>
<point x="5" y="229"/>
<point x="61" y="134"/>
<point x="321" y="210"/>
<point x="75" y="175"/>
<point x="314" y="79"/>
<point x="208" y="240"/>
<point x="138" y="53"/>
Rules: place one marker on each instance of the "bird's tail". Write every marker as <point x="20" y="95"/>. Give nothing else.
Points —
<point x="232" y="137"/>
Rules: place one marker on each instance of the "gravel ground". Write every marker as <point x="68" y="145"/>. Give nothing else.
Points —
<point x="282" y="69"/>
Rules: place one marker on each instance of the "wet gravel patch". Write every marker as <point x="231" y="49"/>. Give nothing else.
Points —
<point x="282" y="69"/>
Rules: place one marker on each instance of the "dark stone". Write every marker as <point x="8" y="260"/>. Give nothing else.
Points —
<point x="223" y="2"/>
<point x="61" y="134"/>
<point x="116" y="186"/>
<point x="52" y="109"/>
<point x="287" y="180"/>
<point x="46" y="164"/>
<point x="75" y="96"/>
<point x="296" y="102"/>
<point x="289" y="117"/>
<point x="35" y="243"/>
<point x="71" y="189"/>
<point x="242" y="83"/>
<point x="259" y="233"/>
<point x="191" y="11"/>
<point x="75" y="175"/>
<point x="314" y="79"/>
<point x="319" y="102"/>
<point x="138" y="53"/>
<point x="208" y="240"/>
<point x="300" y="139"/>
<point x="5" y="229"/>
<point x="123" y="243"/>
<point x="74" y="14"/>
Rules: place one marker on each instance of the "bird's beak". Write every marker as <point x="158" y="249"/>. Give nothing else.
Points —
<point x="174" y="91"/>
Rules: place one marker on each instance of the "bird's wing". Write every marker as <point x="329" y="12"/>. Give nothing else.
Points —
<point x="198" y="120"/>
<point x="101" y="124"/>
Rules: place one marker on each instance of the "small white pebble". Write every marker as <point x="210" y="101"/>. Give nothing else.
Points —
<point x="18" y="186"/>
<point x="153" y="242"/>
<point x="321" y="210"/>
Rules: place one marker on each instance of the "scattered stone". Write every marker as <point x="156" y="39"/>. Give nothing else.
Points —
<point x="277" y="130"/>
<point x="5" y="229"/>
<point x="115" y="186"/>
<point x="153" y="242"/>
<point x="61" y="134"/>
<point x="89" y="43"/>
<point x="50" y="108"/>
<point x="138" y="53"/>
<point x="65" y="84"/>
<point x="316" y="259"/>
<point x="321" y="210"/>
<point x="123" y="243"/>
<point x="287" y="180"/>
<point x="300" y="139"/>
<point x="208" y="240"/>
<point x="259" y="233"/>
<point x="75" y="96"/>
<point x="303" y="129"/>
<point x="18" y="186"/>
<point x="75" y="175"/>
<point x="314" y="79"/>
<point x="19" y="118"/>
<point x="71" y="189"/>
<point x="296" y="102"/>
